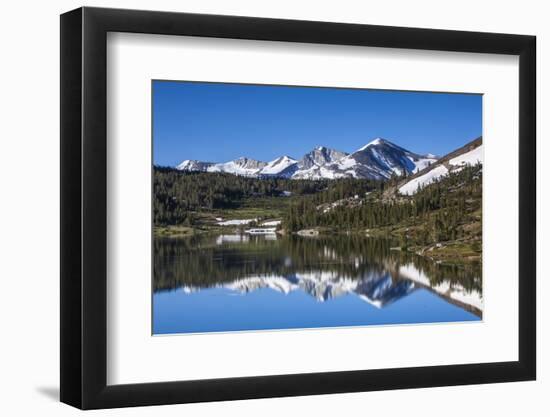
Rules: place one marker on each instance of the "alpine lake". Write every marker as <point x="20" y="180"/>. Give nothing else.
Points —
<point x="246" y="282"/>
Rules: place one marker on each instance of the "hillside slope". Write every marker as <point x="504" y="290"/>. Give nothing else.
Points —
<point x="469" y="154"/>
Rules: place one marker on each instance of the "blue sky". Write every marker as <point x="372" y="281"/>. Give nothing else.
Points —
<point x="218" y="122"/>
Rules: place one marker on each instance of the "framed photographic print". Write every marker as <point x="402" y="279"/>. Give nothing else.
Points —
<point x="257" y="208"/>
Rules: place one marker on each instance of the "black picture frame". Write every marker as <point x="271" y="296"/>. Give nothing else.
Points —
<point x="84" y="207"/>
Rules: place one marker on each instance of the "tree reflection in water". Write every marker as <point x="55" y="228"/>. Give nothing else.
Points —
<point x="324" y="267"/>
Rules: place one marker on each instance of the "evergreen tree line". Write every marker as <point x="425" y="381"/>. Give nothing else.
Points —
<point x="441" y="207"/>
<point x="177" y="195"/>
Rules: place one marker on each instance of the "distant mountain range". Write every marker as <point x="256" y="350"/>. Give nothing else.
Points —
<point x="379" y="159"/>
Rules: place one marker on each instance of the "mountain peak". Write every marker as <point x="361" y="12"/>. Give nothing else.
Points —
<point x="192" y="165"/>
<point x="320" y="156"/>
<point x="282" y="166"/>
<point x="374" y="142"/>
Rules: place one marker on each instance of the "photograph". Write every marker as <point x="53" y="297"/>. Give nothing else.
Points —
<point x="278" y="207"/>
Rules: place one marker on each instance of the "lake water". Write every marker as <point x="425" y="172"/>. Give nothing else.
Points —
<point x="224" y="283"/>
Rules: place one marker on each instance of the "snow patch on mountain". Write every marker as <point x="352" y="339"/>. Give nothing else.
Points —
<point x="317" y="172"/>
<point x="346" y="163"/>
<point x="422" y="163"/>
<point x="193" y="165"/>
<point x="450" y="163"/>
<point x="377" y="141"/>
<point x="241" y="166"/>
<point x="412" y="186"/>
<point x="186" y="165"/>
<point x="278" y="165"/>
<point x="472" y="157"/>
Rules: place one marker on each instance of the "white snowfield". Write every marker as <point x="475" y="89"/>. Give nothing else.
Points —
<point x="271" y="223"/>
<point x="376" y="141"/>
<point x="233" y="168"/>
<point x="236" y="222"/>
<point x="346" y="163"/>
<point x="422" y="163"/>
<point x="469" y="158"/>
<point x="185" y="165"/>
<point x="412" y="186"/>
<point x="317" y="172"/>
<point x="278" y="165"/>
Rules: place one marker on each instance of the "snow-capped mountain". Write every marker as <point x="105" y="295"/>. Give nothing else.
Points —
<point x="317" y="164"/>
<point x="240" y="166"/>
<point x="193" y="165"/>
<point x="469" y="154"/>
<point x="379" y="159"/>
<point x="284" y="166"/>
<point x="320" y="156"/>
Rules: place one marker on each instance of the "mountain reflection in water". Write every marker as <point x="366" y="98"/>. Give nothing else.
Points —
<point x="195" y="277"/>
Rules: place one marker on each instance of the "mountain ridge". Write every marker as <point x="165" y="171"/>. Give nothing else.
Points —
<point x="379" y="159"/>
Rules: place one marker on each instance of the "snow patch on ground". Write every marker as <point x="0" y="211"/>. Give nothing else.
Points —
<point x="236" y="222"/>
<point x="271" y="223"/>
